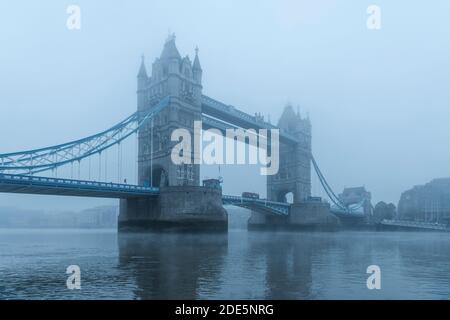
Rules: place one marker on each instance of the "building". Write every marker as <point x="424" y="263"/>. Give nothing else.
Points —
<point x="429" y="202"/>
<point x="357" y="197"/>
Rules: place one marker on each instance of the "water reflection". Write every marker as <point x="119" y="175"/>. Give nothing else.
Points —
<point x="172" y="266"/>
<point x="237" y="265"/>
<point x="270" y="265"/>
<point x="287" y="264"/>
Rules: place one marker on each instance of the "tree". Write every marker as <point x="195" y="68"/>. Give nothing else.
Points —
<point x="384" y="211"/>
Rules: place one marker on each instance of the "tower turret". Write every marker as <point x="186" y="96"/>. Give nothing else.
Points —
<point x="197" y="69"/>
<point x="169" y="65"/>
<point x="142" y="82"/>
<point x="294" y="174"/>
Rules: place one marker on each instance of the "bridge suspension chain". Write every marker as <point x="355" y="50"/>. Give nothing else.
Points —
<point x="50" y="158"/>
<point x="330" y="193"/>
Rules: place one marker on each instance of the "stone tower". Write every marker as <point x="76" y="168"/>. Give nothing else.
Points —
<point x="181" y="80"/>
<point x="294" y="174"/>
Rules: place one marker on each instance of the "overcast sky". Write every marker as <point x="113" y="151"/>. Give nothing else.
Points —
<point x="378" y="100"/>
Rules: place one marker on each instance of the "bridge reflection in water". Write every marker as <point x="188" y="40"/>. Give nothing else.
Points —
<point x="282" y="265"/>
<point x="238" y="265"/>
<point x="208" y="266"/>
<point x="173" y="265"/>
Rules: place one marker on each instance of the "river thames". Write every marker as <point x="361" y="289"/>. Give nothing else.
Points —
<point x="237" y="265"/>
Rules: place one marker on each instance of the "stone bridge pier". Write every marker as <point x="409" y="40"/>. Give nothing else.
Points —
<point x="181" y="208"/>
<point x="306" y="215"/>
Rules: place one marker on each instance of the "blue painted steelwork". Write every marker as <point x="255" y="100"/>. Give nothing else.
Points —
<point x="351" y="211"/>
<point x="209" y="122"/>
<point x="236" y="118"/>
<point x="339" y="207"/>
<point x="216" y="115"/>
<point x="39" y="160"/>
<point x="278" y="208"/>
<point x="12" y="183"/>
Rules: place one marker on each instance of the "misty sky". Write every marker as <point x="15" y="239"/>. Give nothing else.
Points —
<point x="378" y="100"/>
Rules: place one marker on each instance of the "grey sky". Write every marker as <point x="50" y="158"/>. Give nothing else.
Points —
<point x="378" y="100"/>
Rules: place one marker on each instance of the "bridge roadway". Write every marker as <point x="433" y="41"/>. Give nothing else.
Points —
<point x="12" y="183"/>
<point x="270" y="207"/>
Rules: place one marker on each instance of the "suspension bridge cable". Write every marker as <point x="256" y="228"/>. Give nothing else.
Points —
<point x="43" y="159"/>
<point x="151" y="153"/>
<point x="322" y="179"/>
<point x="136" y="153"/>
<point x="329" y="191"/>
<point x="106" y="165"/>
<point x="100" y="166"/>
<point x="327" y="187"/>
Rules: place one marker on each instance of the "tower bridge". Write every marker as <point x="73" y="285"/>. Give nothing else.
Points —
<point x="169" y="195"/>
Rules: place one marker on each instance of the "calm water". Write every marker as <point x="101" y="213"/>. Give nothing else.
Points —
<point x="242" y="264"/>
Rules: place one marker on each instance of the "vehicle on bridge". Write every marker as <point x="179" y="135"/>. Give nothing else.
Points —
<point x="250" y="195"/>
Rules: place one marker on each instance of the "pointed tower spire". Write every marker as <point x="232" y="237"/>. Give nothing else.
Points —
<point x="170" y="50"/>
<point x="142" y="70"/>
<point x="197" y="68"/>
<point x="196" y="65"/>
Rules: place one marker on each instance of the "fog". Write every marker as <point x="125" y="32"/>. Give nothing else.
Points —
<point x="378" y="100"/>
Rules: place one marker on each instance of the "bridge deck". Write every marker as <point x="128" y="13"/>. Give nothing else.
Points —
<point x="10" y="183"/>
<point x="278" y="208"/>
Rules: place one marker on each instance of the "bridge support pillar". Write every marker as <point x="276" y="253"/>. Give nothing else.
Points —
<point x="184" y="208"/>
<point x="311" y="215"/>
<point x="307" y="215"/>
<point x="263" y="221"/>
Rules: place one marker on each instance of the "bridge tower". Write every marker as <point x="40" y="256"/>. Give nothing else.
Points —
<point x="294" y="175"/>
<point x="181" y="203"/>
<point x="181" y="80"/>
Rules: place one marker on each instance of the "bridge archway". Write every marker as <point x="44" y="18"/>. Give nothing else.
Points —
<point x="285" y="196"/>
<point x="157" y="177"/>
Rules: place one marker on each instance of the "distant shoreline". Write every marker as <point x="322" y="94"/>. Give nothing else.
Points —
<point x="103" y="217"/>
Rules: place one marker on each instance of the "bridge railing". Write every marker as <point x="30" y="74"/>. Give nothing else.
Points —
<point x="277" y="207"/>
<point x="228" y="108"/>
<point x="262" y="201"/>
<point x="61" y="182"/>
